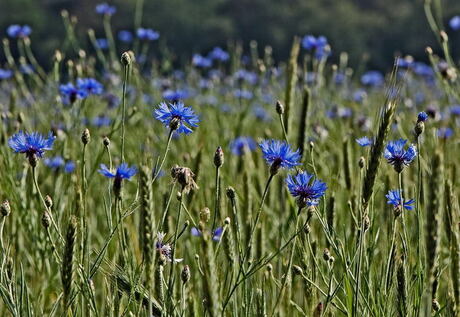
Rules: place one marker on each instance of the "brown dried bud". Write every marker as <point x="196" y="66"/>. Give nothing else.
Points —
<point x="106" y="141"/>
<point x="326" y="254"/>
<point x="231" y="192"/>
<point x="297" y="270"/>
<point x="48" y="201"/>
<point x="185" y="177"/>
<point x="362" y="162"/>
<point x="227" y="221"/>
<point x="219" y="157"/>
<point x="279" y="107"/>
<point x="125" y="59"/>
<point x="5" y="208"/>
<point x="205" y="214"/>
<point x="185" y="275"/>
<point x="46" y="219"/>
<point x="85" y="136"/>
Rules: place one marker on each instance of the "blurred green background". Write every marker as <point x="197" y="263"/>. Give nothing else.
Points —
<point x="377" y="28"/>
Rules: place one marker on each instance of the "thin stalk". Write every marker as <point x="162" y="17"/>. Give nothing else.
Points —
<point x="123" y="114"/>
<point x="158" y="170"/>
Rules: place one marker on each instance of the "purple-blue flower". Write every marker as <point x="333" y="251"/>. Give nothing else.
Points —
<point x="364" y="141"/>
<point x="90" y="85"/>
<point x="69" y="167"/>
<point x="398" y="156"/>
<point x="372" y="78"/>
<point x="278" y="154"/>
<point x="5" y="74"/>
<point x="69" y="93"/>
<point x="18" y="31"/>
<point x="216" y="234"/>
<point x="422" y="117"/>
<point x="395" y="199"/>
<point x="219" y="54"/>
<point x="147" y="34"/>
<point x="445" y="133"/>
<point x="33" y="145"/>
<point x="184" y="116"/>
<point x="122" y="172"/>
<point x="125" y="36"/>
<point x="54" y="163"/>
<point x="310" y="42"/>
<point x="242" y="145"/>
<point x="454" y="23"/>
<point x="102" y="43"/>
<point x="305" y="189"/>
<point x="105" y="9"/>
<point x="201" y="61"/>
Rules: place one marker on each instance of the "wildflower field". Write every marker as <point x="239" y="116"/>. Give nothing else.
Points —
<point x="234" y="185"/>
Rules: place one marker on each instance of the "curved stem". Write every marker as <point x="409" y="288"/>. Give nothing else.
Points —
<point x="158" y="169"/>
<point x="123" y="115"/>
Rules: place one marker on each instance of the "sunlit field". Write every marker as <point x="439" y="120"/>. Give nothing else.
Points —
<point x="233" y="185"/>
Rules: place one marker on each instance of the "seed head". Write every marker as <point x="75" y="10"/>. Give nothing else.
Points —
<point x="362" y="162"/>
<point x="231" y="192"/>
<point x="279" y="107"/>
<point x="185" y="275"/>
<point x="46" y="220"/>
<point x="227" y="221"/>
<point x="326" y="254"/>
<point x="125" y="59"/>
<point x="219" y="157"/>
<point x="48" y="201"/>
<point x="85" y="136"/>
<point x="185" y="177"/>
<point x="5" y="208"/>
<point x="106" y="141"/>
<point x="205" y="214"/>
<point x="297" y="270"/>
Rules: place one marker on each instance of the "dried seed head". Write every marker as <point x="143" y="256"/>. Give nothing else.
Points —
<point x="269" y="267"/>
<point x="85" y="136"/>
<point x="279" y="107"/>
<point x="48" y="201"/>
<point x="231" y="192"/>
<point x="362" y="162"/>
<point x="297" y="270"/>
<point x="5" y="208"/>
<point x="46" y="220"/>
<point x="219" y="157"/>
<point x="227" y="221"/>
<point x="429" y="50"/>
<point x="331" y="259"/>
<point x="312" y="145"/>
<point x="185" y="275"/>
<point x="125" y="59"/>
<point x="106" y="141"/>
<point x="326" y="254"/>
<point x="419" y="128"/>
<point x="185" y="177"/>
<point x="205" y="214"/>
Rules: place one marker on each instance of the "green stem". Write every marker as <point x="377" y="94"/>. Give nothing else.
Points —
<point x="158" y="170"/>
<point x="123" y="118"/>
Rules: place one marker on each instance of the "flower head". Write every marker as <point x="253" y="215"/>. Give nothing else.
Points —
<point x="242" y="145"/>
<point x="395" y="199"/>
<point x="422" y="117"/>
<point x="125" y="36"/>
<point x="164" y="248"/>
<point x="18" y="31"/>
<point x="364" y="141"/>
<point x="5" y="74"/>
<point x="147" y="34"/>
<point x="201" y="61"/>
<point x="105" y="9"/>
<point x="445" y="133"/>
<point x="219" y="54"/>
<point x="33" y="145"/>
<point x="90" y="85"/>
<point x="454" y="23"/>
<point x="122" y="172"/>
<point x="279" y="154"/>
<point x="69" y="93"/>
<point x="307" y="191"/>
<point x="177" y="117"/>
<point x="372" y="78"/>
<point x="216" y="234"/>
<point x="397" y="156"/>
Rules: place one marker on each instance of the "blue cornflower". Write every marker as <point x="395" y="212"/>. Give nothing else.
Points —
<point x="102" y="43"/>
<point x="219" y="54"/>
<point x="455" y="110"/>
<point x="69" y="166"/>
<point x="54" y="163"/>
<point x="26" y="69"/>
<point x="122" y="172"/>
<point x="243" y="94"/>
<point x="247" y="76"/>
<point x="18" y="31"/>
<point x="175" y="95"/>
<point x="422" y="117"/>
<point x="364" y="141"/>
<point x="242" y="145"/>
<point x="454" y="23"/>
<point x="105" y="9"/>
<point x="261" y="114"/>
<point x="372" y="78"/>
<point x="125" y="36"/>
<point x="101" y="121"/>
<point x="279" y="155"/>
<point x="445" y="133"/>
<point x="310" y="42"/>
<point x="397" y="156"/>
<point x="177" y="117"/>
<point x="5" y="74"/>
<point x="307" y="191"/>
<point x="216" y="234"/>
<point x="90" y="85"/>
<point x="69" y="93"/>
<point x="33" y="145"/>
<point x="201" y="61"/>
<point x="147" y="34"/>
<point x="395" y="199"/>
